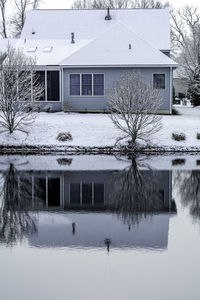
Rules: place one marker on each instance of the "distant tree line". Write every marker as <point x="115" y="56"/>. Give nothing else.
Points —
<point x="12" y="25"/>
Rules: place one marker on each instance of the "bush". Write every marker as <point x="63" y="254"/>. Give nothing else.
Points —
<point x="48" y="108"/>
<point x="64" y="161"/>
<point x="175" y="111"/>
<point x="178" y="136"/>
<point x="198" y="136"/>
<point x="64" y="136"/>
<point x="178" y="161"/>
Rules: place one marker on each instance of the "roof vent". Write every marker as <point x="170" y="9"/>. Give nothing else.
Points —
<point x="129" y="47"/>
<point x="47" y="49"/>
<point x="33" y="31"/>
<point x="108" y="16"/>
<point x="72" y="38"/>
<point x="31" y="49"/>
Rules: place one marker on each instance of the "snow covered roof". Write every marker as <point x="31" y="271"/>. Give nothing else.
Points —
<point x="152" y="25"/>
<point x="116" y="43"/>
<point x="118" y="46"/>
<point x="111" y="48"/>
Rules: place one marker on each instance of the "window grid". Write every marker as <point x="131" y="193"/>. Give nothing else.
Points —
<point x="159" y="81"/>
<point x="92" y="94"/>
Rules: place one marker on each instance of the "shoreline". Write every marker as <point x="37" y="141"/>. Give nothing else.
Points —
<point x="50" y="149"/>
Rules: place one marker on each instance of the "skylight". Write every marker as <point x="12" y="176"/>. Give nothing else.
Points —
<point x="47" y="49"/>
<point x="31" y="49"/>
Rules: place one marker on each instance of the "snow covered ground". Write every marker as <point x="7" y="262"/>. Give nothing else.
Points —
<point x="97" y="130"/>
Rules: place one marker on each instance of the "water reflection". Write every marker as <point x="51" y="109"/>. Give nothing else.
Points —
<point x="127" y="207"/>
<point x="187" y="184"/>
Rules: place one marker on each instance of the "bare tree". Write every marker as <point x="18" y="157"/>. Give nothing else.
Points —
<point x="3" y="18"/>
<point x="136" y="193"/>
<point x="98" y="4"/>
<point x="133" y="106"/>
<point x="19" y="88"/>
<point x="186" y="43"/>
<point x="21" y="7"/>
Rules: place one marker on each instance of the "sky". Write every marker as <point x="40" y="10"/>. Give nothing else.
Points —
<point x="67" y="3"/>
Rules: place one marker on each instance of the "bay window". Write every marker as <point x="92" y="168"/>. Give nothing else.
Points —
<point x="86" y="84"/>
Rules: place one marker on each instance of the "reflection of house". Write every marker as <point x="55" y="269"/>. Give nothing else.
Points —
<point x="88" y="219"/>
<point x="84" y="189"/>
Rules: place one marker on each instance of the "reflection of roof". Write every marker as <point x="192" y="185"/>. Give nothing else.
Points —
<point x="91" y="230"/>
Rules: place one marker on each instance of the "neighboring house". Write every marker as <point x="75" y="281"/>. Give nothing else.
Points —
<point x="81" y="53"/>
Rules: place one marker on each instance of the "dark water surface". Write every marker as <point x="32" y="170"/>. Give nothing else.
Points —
<point x="99" y="227"/>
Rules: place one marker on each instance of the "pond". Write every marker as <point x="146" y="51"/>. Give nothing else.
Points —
<point x="99" y="227"/>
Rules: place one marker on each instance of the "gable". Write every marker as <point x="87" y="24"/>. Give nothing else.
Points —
<point x="118" y="46"/>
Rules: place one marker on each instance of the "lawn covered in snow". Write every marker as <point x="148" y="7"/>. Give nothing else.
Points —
<point x="97" y="130"/>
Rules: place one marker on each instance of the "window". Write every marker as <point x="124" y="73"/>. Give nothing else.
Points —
<point x="159" y="81"/>
<point x="51" y="82"/>
<point x="98" y="193"/>
<point x="40" y="75"/>
<point x="98" y="87"/>
<point x="86" y="84"/>
<point x="87" y="193"/>
<point x="53" y="90"/>
<point x="75" y="193"/>
<point x="53" y="191"/>
<point x="75" y="84"/>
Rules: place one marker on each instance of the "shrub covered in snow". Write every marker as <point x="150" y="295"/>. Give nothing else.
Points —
<point x="178" y="136"/>
<point x="48" y="108"/>
<point x="64" y="136"/>
<point x="64" y="161"/>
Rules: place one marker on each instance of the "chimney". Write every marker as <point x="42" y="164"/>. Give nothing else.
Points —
<point x="108" y="16"/>
<point x="72" y="38"/>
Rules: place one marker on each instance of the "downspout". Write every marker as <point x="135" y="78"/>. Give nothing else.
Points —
<point x="171" y="88"/>
<point x="62" y="88"/>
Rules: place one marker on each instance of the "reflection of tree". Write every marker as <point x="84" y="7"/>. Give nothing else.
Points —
<point x="15" y="220"/>
<point x="137" y="195"/>
<point x="187" y="184"/>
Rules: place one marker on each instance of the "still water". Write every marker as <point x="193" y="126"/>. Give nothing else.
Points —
<point x="99" y="227"/>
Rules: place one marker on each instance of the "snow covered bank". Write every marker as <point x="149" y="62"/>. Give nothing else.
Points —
<point x="96" y="131"/>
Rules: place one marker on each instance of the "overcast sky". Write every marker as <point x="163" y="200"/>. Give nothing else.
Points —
<point x="67" y="3"/>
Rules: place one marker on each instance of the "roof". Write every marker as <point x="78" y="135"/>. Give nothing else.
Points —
<point x="112" y="49"/>
<point x="152" y="25"/>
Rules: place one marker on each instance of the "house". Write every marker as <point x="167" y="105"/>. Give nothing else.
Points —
<point x="81" y="53"/>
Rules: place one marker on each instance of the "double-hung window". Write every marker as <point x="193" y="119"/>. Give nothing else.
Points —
<point x="159" y="81"/>
<point x="86" y="84"/>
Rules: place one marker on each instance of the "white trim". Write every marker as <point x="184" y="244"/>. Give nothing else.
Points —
<point x="170" y="88"/>
<point x="86" y="96"/>
<point x="120" y="66"/>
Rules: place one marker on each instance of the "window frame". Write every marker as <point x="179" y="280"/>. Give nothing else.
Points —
<point x="81" y="184"/>
<point x="60" y="89"/>
<point x="158" y="73"/>
<point x="85" y="96"/>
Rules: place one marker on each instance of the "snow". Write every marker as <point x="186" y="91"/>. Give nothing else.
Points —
<point x="112" y="48"/>
<point x="60" y="49"/>
<point x="97" y="130"/>
<point x="151" y="25"/>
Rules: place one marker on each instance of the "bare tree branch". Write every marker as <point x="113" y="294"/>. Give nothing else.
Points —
<point x="133" y="106"/>
<point x="19" y="88"/>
